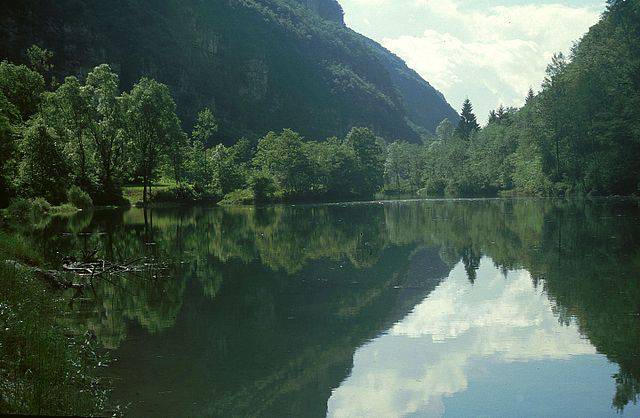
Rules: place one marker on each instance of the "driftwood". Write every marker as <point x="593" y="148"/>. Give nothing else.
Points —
<point x="89" y="270"/>
<point x="98" y="267"/>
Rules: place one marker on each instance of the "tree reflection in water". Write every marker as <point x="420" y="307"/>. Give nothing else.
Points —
<point x="276" y="300"/>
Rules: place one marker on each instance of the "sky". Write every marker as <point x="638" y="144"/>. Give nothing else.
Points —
<point x="490" y="51"/>
<point x="462" y="341"/>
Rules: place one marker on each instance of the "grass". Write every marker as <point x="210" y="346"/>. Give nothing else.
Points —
<point x="134" y="193"/>
<point x="42" y="371"/>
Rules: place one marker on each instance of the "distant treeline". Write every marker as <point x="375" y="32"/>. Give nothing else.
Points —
<point x="580" y="135"/>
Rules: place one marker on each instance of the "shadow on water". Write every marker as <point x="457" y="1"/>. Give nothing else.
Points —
<point x="264" y="308"/>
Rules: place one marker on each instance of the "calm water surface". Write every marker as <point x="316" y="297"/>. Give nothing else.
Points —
<point x="432" y="308"/>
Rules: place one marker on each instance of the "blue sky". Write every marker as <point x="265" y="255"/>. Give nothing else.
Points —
<point x="491" y="51"/>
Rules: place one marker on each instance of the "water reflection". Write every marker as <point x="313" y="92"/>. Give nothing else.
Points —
<point x="459" y="331"/>
<point x="400" y="307"/>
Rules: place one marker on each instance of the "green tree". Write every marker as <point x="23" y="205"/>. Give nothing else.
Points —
<point x="397" y="162"/>
<point x="43" y="170"/>
<point x="40" y="59"/>
<point x="369" y="153"/>
<point x="152" y="126"/>
<point x="22" y="86"/>
<point x="205" y="127"/>
<point x="335" y="165"/>
<point x="530" y="96"/>
<point x="468" y="123"/>
<point x="445" y="130"/>
<point x="67" y="110"/>
<point x="106" y="129"/>
<point x="281" y="156"/>
<point x="10" y="122"/>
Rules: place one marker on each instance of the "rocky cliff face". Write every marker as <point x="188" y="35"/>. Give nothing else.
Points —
<point x="259" y="64"/>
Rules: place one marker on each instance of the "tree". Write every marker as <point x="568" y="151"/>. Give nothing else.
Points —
<point x="226" y="169"/>
<point x="530" y="96"/>
<point x="445" y="130"/>
<point x="22" y="86"/>
<point x="369" y="152"/>
<point x="40" y="59"/>
<point x="281" y="156"/>
<point x="397" y="161"/>
<point x="206" y="126"/>
<point x="43" y="170"/>
<point x="106" y="128"/>
<point x="152" y="126"/>
<point x="67" y="110"/>
<point x="468" y="122"/>
<point x="199" y="170"/>
<point x="10" y="121"/>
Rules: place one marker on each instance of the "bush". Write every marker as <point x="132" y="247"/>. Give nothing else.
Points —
<point x="40" y="206"/>
<point x="452" y="190"/>
<point x="25" y="209"/>
<point x="79" y="198"/>
<point x="238" y="197"/>
<point x="177" y="194"/>
<point x="433" y="187"/>
<point x="262" y="186"/>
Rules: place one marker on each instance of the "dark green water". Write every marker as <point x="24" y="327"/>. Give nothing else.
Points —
<point x="438" y="308"/>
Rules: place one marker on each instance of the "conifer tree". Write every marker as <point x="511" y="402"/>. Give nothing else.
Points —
<point x="530" y="96"/>
<point x="468" y="122"/>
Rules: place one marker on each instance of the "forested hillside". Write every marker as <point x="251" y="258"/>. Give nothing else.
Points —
<point x="260" y="65"/>
<point x="580" y="135"/>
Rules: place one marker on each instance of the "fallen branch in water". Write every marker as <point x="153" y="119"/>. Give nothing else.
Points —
<point x="99" y="267"/>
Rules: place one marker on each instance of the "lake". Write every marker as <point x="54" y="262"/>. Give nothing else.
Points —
<point x="410" y="308"/>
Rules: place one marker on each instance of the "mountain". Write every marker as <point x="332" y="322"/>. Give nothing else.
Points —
<point x="261" y="65"/>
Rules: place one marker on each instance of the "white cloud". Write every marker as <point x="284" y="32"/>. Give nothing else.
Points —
<point x="436" y="350"/>
<point x="491" y="54"/>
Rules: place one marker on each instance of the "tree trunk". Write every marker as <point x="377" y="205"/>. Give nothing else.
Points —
<point x="144" y="191"/>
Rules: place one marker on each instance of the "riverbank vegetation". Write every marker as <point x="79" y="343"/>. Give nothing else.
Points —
<point x="45" y="368"/>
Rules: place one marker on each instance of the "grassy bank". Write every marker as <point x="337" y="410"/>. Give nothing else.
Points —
<point x="43" y="369"/>
<point x="133" y="194"/>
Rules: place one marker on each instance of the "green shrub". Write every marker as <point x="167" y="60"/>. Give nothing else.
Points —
<point x="238" y="197"/>
<point x="452" y="190"/>
<point x="79" y="198"/>
<point x="262" y="186"/>
<point x="433" y="187"/>
<point x="177" y="194"/>
<point x="22" y="209"/>
<point x="40" y="206"/>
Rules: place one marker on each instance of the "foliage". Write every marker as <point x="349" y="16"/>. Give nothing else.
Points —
<point x="22" y="87"/>
<point x="468" y="123"/>
<point x="42" y="371"/>
<point x="152" y="125"/>
<point x="205" y="127"/>
<point x="79" y="198"/>
<point x="43" y="170"/>
<point x="260" y="65"/>
<point x="238" y="197"/>
<point x="579" y="136"/>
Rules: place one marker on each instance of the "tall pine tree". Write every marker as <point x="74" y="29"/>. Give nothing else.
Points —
<point x="468" y="122"/>
<point x="530" y="96"/>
